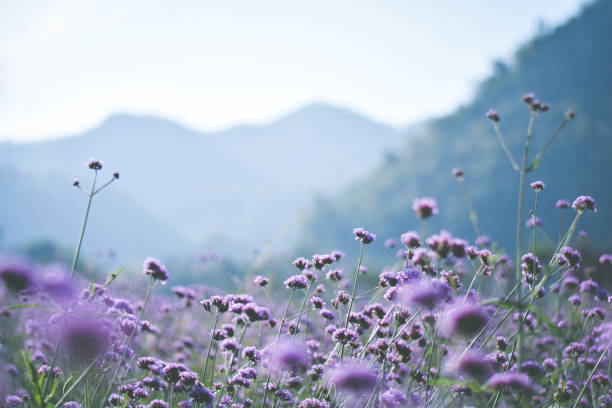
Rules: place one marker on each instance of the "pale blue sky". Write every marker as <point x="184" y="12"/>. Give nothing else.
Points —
<point x="65" y="65"/>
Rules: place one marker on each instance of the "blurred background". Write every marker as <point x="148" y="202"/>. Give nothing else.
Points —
<point x="247" y="133"/>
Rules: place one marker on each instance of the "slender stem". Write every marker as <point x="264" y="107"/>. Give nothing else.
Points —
<point x="515" y="165"/>
<point x="354" y="286"/>
<point x="82" y="234"/>
<point x="299" y="317"/>
<point x="519" y="220"/>
<point x="546" y="146"/>
<point x="210" y="347"/>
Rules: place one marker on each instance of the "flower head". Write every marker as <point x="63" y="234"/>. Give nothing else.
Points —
<point x="355" y="380"/>
<point x="364" y="236"/>
<point x="94" y="164"/>
<point x="425" y="207"/>
<point x="583" y="203"/>
<point x="537" y="186"/>
<point x="492" y="115"/>
<point x="155" y="269"/>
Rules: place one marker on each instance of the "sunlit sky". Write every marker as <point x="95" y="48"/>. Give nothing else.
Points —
<point x="65" y="65"/>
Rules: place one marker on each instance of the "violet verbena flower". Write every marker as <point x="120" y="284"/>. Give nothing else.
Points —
<point x="562" y="204"/>
<point x="155" y="269"/>
<point x="301" y="263"/>
<point x="94" y="164"/>
<point x="356" y="380"/>
<point x="474" y="365"/>
<point x="531" y="222"/>
<point x="464" y="319"/>
<point x="583" y="203"/>
<point x="392" y="398"/>
<point x="364" y="236"/>
<point x="158" y="404"/>
<point x="16" y="274"/>
<point x="425" y="207"/>
<point x="296" y="282"/>
<point x="537" y="186"/>
<point x="390" y="243"/>
<point x="290" y="357"/>
<point x="605" y="259"/>
<point x="492" y="115"/>
<point x="201" y="395"/>
<point x="424" y="293"/>
<point x="261" y="281"/>
<point x="313" y="403"/>
<point x="515" y="381"/>
<point x="411" y="239"/>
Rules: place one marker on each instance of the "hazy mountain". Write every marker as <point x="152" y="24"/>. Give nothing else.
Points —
<point x="181" y="189"/>
<point x="569" y="67"/>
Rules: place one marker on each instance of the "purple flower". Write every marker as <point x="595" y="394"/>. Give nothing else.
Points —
<point x="425" y="207"/>
<point x="158" y="404"/>
<point x="573" y="257"/>
<point x="252" y="354"/>
<point x="464" y="319"/>
<point x="290" y="356"/>
<point x="301" y="263"/>
<point x="173" y="371"/>
<point x="575" y="300"/>
<point x="188" y="378"/>
<point x="582" y="203"/>
<point x="344" y="336"/>
<point x="335" y="275"/>
<point x="261" y="281"/>
<point x="531" y="222"/>
<point x="474" y="365"/>
<point x="230" y="345"/>
<point x="13" y="400"/>
<point x="575" y="350"/>
<point x="483" y="241"/>
<point x="532" y="368"/>
<point x="515" y="381"/>
<point x="84" y="339"/>
<point x="411" y="239"/>
<point x="16" y="274"/>
<point x="337" y="255"/>
<point x="589" y="286"/>
<point x="392" y="398"/>
<point x="296" y="282"/>
<point x="201" y="395"/>
<point x="562" y="204"/>
<point x="458" y="172"/>
<point x="327" y="314"/>
<point x="390" y="243"/>
<point x="94" y="164"/>
<point x="424" y="293"/>
<point x="492" y="115"/>
<point x="605" y="259"/>
<point x="356" y="380"/>
<point x="537" y="186"/>
<point x="364" y="236"/>
<point x="155" y="269"/>
<point x="319" y="261"/>
<point x="313" y="403"/>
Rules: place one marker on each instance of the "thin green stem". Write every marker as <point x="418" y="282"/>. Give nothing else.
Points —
<point x="82" y="234"/>
<point x="210" y="347"/>
<point x="515" y="165"/>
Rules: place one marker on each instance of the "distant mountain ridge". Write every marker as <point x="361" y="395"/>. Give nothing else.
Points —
<point x="568" y="68"/>
<point x="231" y="190"/>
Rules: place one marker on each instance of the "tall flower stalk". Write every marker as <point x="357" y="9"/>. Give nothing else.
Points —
<point x="96" y="166"/>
